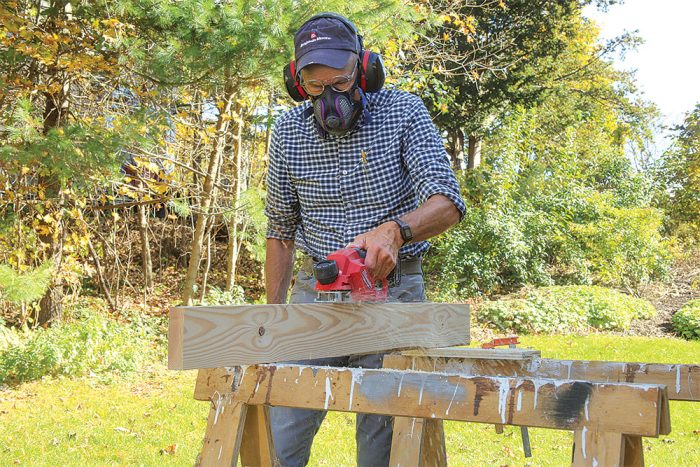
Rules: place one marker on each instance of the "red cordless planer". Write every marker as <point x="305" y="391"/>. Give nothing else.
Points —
<point x="343" y="277"/>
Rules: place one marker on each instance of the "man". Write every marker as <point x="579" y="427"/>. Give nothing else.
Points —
<point x="351" y="166"/>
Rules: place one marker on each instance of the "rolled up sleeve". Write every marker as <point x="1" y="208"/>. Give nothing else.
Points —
<point x="427" y="161"/>
<point x="282" y="205"/>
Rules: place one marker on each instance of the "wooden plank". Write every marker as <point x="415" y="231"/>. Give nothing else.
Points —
<point x="566" y="405"/>
<point x="212" y="337"/>
<point x="222" y="440"/>
<point x="597" y="448"/>
<point x="407" y="442"/>
<point x="257" y="448"/>
<point x="682" y="380"/>
<point x="418" y="442"/>
<point x="465" y="352"/>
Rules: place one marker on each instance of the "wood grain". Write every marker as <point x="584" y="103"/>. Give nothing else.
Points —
<point x="212" y="337"/>
<point x="634" y="451"/>
<point x="568" y="405"/>
<point x="433" y="450"/>
<point x="682" y="380"/>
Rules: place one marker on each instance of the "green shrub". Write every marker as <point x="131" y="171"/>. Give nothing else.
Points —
<point x="217" y="296"/>
<point x="565" y="309"/>
<point x="93" y="344"/>
<point x="686" y="321"/>
<point x="8" y="336"/>
<point x="572" y="236"/>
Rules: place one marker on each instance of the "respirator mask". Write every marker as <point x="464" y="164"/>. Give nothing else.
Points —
<point x="335" y="111"/>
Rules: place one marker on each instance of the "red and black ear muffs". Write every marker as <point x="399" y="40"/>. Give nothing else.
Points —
<point x="370" y="79"/>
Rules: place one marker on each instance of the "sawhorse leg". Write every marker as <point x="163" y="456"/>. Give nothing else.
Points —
<point x="418" y="442"/>
<point x="593" y="448"/>
<point x="235" y="428"/>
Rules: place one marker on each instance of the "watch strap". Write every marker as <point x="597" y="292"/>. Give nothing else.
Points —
<point x="405" y="230"/>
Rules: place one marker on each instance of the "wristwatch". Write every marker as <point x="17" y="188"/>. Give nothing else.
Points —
<point x="405" y="230"/>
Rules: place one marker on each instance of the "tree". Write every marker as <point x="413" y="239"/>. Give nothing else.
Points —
<point x="222" y="49"/>
<point x="49" y="49"/>
<point x="680" y="173"/>
<point x="479" y="59"/>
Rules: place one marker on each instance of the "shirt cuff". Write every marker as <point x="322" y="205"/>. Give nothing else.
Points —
<point x="281" y="233"/>
<point x="431" y="189"/>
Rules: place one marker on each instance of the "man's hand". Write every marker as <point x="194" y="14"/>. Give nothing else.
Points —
<point x="382" y="245"/>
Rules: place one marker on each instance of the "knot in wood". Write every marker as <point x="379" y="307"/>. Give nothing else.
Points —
<point x="261" y="331"/>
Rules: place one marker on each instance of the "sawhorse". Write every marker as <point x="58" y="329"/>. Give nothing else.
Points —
<point x="682" y="381"/>
<point x="238" y="420"/>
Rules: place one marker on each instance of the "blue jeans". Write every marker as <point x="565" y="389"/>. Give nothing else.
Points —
<point x="293" y="430"/>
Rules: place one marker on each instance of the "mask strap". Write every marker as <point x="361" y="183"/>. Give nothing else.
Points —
<point x="365" y="105"/>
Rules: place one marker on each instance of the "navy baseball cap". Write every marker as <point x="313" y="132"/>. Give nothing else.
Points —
<point x="325" y="41"/>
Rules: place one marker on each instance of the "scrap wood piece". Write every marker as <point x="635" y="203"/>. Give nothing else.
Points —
<point x="257" y="447"/>
<point x="470" y="352"/>
<point x="568" y="405"/>
<point x="683" y="381"/>
<point x="418" y="441"/>
<point x="212" y="337"/>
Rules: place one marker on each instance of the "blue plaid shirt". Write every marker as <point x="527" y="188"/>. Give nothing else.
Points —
<point x="323" y="192"/>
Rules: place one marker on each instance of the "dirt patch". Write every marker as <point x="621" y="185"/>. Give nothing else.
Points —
<point x="684" y="285"/>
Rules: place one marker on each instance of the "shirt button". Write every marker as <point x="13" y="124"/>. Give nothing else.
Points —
<point x="345" y="172"/>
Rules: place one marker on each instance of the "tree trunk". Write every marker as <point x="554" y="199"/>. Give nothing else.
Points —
<point x="208" y="192"/>
<point x="474" y="156"/>
<point x="456" y="137"/>
<point x="233" y="248"/>
<point x="205" y="277"/>
<point x="146" y="263"/>
<point x="100" y="276"/>
<point x="55" y="114"/>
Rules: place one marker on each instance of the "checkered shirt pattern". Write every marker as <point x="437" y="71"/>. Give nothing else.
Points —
<point x="323" y="192"/>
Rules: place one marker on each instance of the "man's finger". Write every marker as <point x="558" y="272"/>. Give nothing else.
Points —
<point x="359" y="242"/>
<point x="371" y="260"/>
<point x="385" y="264"/>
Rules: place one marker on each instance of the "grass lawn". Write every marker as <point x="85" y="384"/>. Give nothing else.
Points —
<point x="151" y="418"/>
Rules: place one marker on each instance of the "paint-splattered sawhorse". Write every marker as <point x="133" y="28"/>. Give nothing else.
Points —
<point x="618" y="448"/>
<point x="601" y="411"/>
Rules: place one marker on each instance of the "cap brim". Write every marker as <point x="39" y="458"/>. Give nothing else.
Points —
<point x="333" y="58"/>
